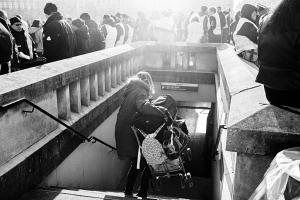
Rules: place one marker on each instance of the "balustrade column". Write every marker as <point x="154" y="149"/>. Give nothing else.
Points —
<point x="85" y="91"/>
<point x="107" y="78"/>
<point x="123" y="70"/>
<point x="63" y="102"/>
<point x="119" y="74"/>
<point x="114" y="75"/>
<point x="94" y="86"/>
<point x="101" y="82"/>
<point x="75" y="98"/>
<point x="128" y="65"/>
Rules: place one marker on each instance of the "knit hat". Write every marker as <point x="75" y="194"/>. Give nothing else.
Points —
<point x="78" y="23"/>
<point x="14" y="20"/>
<point x="50" y="8"/>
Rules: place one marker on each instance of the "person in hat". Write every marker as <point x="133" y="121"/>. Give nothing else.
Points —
<point x="23" y="42"/>
<point x="59" y="39"/>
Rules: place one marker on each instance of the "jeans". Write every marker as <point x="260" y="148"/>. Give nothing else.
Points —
<point x="132" y="175"/>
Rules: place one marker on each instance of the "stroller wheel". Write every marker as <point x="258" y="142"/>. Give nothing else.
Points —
<point x="188" y="179"/>
<point x="156" y="183"/>
<point x="182" y="181"/>
<point x="189" y="154"/>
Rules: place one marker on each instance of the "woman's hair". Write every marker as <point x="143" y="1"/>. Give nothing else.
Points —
<point x="285" y="17"/>
<point x="146" y="77"/>
<point x="247" y="11"/>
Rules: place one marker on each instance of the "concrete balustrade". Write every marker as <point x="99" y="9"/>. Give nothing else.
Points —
<point x="63" y="102"/>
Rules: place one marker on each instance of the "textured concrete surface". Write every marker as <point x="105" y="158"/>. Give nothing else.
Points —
<point x="256" y="130"/>
<point x="21" y="130"/>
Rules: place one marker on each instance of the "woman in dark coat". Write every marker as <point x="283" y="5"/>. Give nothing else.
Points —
<point x="245" y="35"/>
<point x="279" y="55"/>
<point x="136" y="99"/>
<point x="82" y="37"/>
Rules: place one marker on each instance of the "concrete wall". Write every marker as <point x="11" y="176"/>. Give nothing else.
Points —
<point x="92" y="166"/>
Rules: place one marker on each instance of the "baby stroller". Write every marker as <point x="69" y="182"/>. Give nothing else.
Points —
<point x="164" y="146"/>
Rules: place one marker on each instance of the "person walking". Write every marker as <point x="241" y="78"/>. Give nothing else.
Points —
<point x="279" y="55"/>
<point x="136" y="99"/>
<point x="59" y="39"/>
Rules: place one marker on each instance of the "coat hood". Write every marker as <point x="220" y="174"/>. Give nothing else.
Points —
<point x="56" y="16"/>
<point x="136" y="84"/>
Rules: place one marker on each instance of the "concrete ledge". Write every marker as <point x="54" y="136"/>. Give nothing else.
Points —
<point x="256" y="130"/>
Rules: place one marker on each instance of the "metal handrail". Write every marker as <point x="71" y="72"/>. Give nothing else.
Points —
<point x="92" y="139"/>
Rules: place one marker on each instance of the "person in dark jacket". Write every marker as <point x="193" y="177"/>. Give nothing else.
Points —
<point x="246" y="34"/>
<point x="59" y="39"/>
<point x="136" y="99"/>
<point x="6" y="44"/>
<point x="96" y="42"/>
<point x="279" y="55"/>
<point x="234" y="23"/>
<point x="82" y="37"/>
<point x="24" y="43"/>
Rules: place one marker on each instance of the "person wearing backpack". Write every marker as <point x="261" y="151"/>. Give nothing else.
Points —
<point x="135" y="99"/>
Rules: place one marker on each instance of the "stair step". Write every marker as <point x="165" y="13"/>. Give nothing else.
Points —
<point x="78" y="194"/>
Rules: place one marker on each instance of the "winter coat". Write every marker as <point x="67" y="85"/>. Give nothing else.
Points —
<point x="279" y="59"/>
<point x="110" y="35"/>
<point x="24" y="44"/>
<point x="37" y="37"/>
<point x="82" y="38"/>
<point x="59" y="39"/>
<point x="135" y="100"/>
<point x="6" y="42"/>
<point x="96" y="42"/>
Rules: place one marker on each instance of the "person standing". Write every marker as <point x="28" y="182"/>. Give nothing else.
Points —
<point x="245" y="35"/>
<point x="195" y="30"/>
<point x="36" y="33"/>
<point x="109" y="31"/>
<point x="23" y="41"/>
<point x="136" y="99"/>
<point x="279" y="55"/>
<point x="82" y="37"/>
<point x="215" y="31"/>
<point x="6" y="44"/>
<point x="96" y="41"/>
<point x="58" y="37"/>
